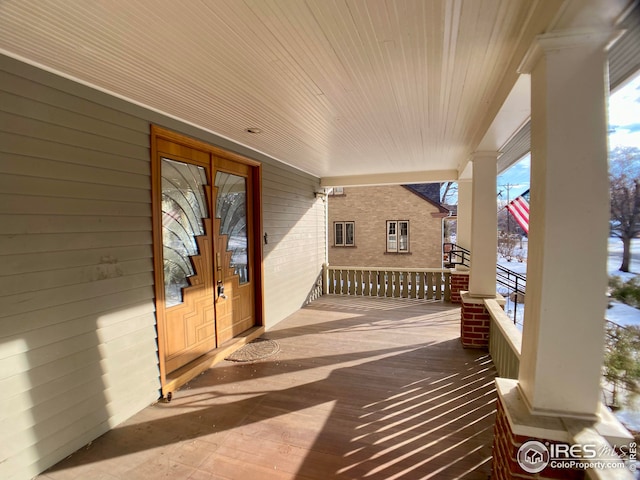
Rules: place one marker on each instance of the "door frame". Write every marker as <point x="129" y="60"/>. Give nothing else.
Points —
<point x="160" y="133"/>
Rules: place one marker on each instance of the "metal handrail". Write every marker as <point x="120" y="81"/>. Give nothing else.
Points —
<point x="515" y="282"/>
<point x="456" y="255"/>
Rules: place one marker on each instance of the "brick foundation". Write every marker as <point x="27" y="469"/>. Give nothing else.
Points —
<point x="459" y="282"/>
<point x="474" y="323"/>
<point x="505" y="450"/>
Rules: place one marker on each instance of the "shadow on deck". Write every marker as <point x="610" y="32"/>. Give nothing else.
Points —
<point x="361" y="388"/>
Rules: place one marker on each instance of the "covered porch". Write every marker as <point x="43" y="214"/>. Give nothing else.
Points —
<point x="318" y="95"/>
<point x="362" y="387"/>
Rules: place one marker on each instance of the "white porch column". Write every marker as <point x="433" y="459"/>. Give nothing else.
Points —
<point x="460" y="277"/>
<point x="484" y="225"/>
<point x="463" y="235"/>
<point x="562" y="346"/>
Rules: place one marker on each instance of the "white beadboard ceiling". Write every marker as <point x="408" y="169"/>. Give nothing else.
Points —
<point x="352" y="91"/>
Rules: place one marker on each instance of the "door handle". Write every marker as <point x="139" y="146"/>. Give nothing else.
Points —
<point x="220" y="276"/>
<point x="221" y="290"/>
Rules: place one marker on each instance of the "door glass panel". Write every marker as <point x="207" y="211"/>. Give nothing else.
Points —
<point x="184" y="205"/>
<point x="231" y="209"/>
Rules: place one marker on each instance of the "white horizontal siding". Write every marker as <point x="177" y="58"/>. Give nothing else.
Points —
<point x="44" y="261"/>
<point x="77" y="324"/>
<point x="294" y="221"/>
<point x="70" y="163"/>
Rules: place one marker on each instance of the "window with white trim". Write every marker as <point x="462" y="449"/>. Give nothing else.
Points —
<point x="398" y="236"/>
<point x="344" y="234"/>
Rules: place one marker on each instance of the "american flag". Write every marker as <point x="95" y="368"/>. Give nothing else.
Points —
<point x="519" y="208"/>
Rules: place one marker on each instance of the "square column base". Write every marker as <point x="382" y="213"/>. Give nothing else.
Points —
<point x="516" y="427"/>
<point x="475" y="321"/>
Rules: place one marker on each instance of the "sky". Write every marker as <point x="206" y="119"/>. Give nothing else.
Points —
<point x="624" y="130"/>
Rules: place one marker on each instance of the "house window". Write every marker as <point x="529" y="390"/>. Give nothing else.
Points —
<point x="337" y="191"/>
<point x="344" y="234"/>
<point x="398" y="236"/>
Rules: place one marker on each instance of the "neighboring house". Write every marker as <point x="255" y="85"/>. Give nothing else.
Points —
<point x="386" y="226"/>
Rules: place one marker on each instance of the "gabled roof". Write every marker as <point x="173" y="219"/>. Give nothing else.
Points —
<point x="429" y="192"/>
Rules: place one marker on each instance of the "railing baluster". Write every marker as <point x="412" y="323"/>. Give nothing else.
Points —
<point x="396" y="284"/>
<point x="404" y="284"/>
<point x="447" y="286"/>
<point x="374" y="283"/>
<point x="366" y="279"/>
<point x="429" y="285"/>
<point x="388" y="283"/>
<point x="335" y="276"/>
<point x="421" y="284"/>
<point x="385" y="280"/>
<point x="414" y="285"/>
<point x="344" y="274"/>
<point x="438" y="285"/>
<point x="352" y="282"/>
<point x="408" y="285"/>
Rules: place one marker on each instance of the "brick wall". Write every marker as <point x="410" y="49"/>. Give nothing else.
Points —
<point x="370" y="208"/>
<point x="459" y="282"/>
<point x="505" y="450"/>
<point x="474" y="325"/>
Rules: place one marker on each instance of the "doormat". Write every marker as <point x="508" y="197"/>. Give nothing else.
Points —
<point x="255" y="350"/>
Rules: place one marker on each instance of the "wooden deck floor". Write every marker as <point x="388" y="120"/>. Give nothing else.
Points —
<point x="361" y="388"/>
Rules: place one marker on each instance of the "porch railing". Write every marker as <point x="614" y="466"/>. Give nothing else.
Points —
<point x="515" y="284"/>
<point x="423" y="283"/>
<point x="505" y="341"/>
<point x="455" y="255"/>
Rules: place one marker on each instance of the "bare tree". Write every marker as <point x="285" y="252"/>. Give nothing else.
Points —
<point x="506" y="245"/>
<point x="624" y="174"/>
<point x="448" y="193"/>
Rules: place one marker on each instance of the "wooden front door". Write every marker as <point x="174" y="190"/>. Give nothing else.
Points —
<point x="187" y="255"/>
<point x="204" y="219"/>
<point x="233" y="244"/>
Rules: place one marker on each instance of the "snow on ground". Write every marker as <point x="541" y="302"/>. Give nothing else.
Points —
<point x="615" y="258"/>
<point x="618" y="312"/>
<point x="622" y="314"/>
